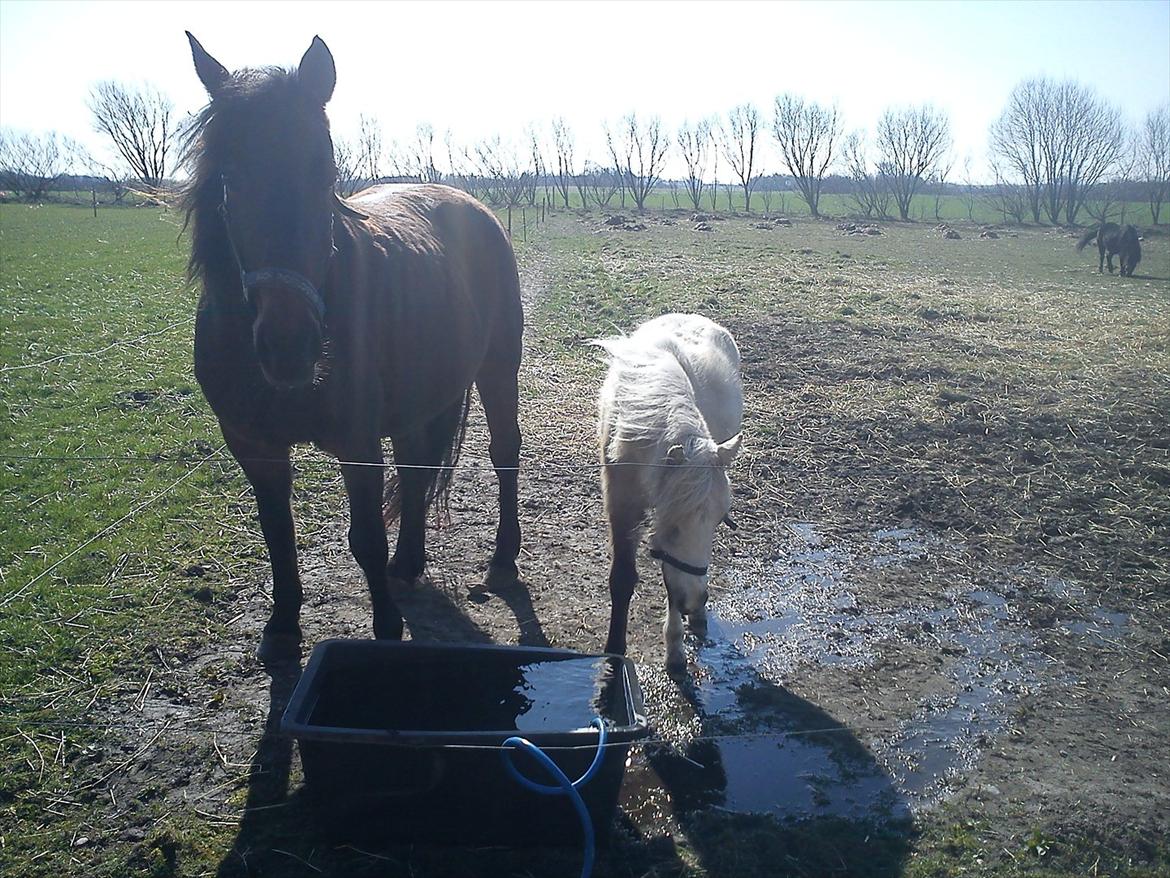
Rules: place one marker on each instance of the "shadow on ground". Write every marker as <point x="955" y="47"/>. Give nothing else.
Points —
<point x="783" y="755"/>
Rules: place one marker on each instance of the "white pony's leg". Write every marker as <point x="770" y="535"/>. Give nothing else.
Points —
<point x="676" y="659"/>
<point x="698" y="621"/>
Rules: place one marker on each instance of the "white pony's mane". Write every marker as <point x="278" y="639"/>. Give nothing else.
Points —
<point x="653" y="409"/>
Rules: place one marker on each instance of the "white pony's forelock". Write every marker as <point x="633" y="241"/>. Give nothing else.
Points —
<point x="652" y="398"/>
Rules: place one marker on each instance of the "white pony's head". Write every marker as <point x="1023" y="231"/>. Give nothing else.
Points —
<point x="694" y="497"/>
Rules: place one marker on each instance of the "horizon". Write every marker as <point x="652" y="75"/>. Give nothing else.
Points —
<point x="575" y="65"/>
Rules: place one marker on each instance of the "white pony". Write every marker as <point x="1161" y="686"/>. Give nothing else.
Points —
<point x="671" y="409"/>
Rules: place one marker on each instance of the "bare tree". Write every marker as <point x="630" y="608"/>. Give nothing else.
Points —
<point x="1017" y="140"/>
<point x="139" y="122"/>
<point x="345" y="158"/>
<point x="1089" y="144"/>
<point x="1107" y="199"/>
<point x="939" y="181"/>
<point x="31" y="164"/>
<point x="714" y="177"/>
<point x="422" y="154"/>
<point x="1059" y="139"/>
<point x="694" y="142"/>
<point x="1154" y="158"/>
<point x="640" y="154"/>
<point x="911" y="142"/>
<point x="870" y="191"/>
<point x="738" y="140"/>
<point x="508" y="178"/>
<point x="368" y="150"/>
<point x="806" y="133"/>
<point x="1011" y="200"/>
<point x="601" y="183"/>
<point x="462" y="168"/>
<point x="968" y="189"/>
<point x="537" y="167"/>
<point x="563" y="149"/>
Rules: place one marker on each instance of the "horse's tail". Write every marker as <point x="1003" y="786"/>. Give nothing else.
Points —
<point x="451" y="436"/>
<point x="1086" y="238"/>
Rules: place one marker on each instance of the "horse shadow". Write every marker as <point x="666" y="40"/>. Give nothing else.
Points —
<point x="517" y="596"/>
<point x="268" y="808"/>
<point x="782" y="782"/>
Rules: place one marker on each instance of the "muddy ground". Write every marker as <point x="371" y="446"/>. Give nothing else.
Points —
<point x="938" y="638"/>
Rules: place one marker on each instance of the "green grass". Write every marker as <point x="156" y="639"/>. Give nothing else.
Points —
<point x="95" y="353"/>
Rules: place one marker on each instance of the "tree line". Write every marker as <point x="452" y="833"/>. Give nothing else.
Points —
<point x="1058" y="151"/>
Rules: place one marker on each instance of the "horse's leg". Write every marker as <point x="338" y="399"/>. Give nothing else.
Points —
<point x="367" y="534"/>
<point x="417" y="454"/>
<point x="268" y="470"/>
<point x="672" y="632"/>
<point x="500" y="397"/>
<point x="1101" y="256"/>
<point x="625" y="516"/>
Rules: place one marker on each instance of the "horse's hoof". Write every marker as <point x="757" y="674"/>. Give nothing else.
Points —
<point x="501" y="576"/>
<point x="698" y="626"/>
<point x="676" y="668"/>
<point x="279" y="646"/>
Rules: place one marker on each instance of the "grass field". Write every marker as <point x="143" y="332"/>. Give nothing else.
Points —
<point x="999" y="395"/>
<point x="951" y="208"/>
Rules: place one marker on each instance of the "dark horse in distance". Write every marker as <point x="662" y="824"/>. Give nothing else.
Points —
<point x="1113" y="239"/>
<point x="341" y="322"/>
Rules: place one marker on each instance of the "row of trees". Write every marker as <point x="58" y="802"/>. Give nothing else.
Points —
<point x="1057" y="150"/>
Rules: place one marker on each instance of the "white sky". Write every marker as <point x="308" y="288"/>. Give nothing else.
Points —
<point x="488" y="68"/>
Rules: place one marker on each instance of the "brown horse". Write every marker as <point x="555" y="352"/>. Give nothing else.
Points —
<point x="340" y="323"/>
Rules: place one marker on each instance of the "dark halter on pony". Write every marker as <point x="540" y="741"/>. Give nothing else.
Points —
<point x="292" y="279"/>
<point x="667" y="558"/>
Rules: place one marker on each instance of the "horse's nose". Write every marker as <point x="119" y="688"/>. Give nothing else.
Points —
<point x="288" y="359"/>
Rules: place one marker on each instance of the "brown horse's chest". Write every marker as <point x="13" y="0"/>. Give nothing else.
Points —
<point x="230" y="377"/>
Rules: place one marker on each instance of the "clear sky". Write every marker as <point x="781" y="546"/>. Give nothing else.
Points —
<point x="486" y="68"/>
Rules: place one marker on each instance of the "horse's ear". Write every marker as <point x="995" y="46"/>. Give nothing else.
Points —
<point x="677" y="454"/>
<point x="729" y="449"/>
<point x="212" y="74"/>
<point x="317" y="73"/>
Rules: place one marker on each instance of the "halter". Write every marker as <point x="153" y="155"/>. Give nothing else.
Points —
<point x="667" y="558"/>
<point x="293" y="280"/>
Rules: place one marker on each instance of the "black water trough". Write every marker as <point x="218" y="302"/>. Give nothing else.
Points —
<point x="401" y="741"/>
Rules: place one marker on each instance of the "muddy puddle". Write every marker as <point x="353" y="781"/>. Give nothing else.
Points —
<point x="749" y="744"/>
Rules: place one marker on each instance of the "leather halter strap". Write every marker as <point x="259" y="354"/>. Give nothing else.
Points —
<point x="667" y="558"/>
<point x="286" y="277"/>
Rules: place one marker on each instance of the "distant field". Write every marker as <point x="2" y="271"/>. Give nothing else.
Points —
<point x="951" y="208"/>
<point x="998" y="401"/>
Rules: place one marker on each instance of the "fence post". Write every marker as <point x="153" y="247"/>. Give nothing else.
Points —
<point x="93" y="192"/>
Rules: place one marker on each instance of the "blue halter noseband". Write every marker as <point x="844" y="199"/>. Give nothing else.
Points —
<point x="286" y="277"/>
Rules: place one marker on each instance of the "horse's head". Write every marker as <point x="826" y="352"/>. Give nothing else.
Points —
<point x="692" y="505"/>
<point x="264" y="195"/>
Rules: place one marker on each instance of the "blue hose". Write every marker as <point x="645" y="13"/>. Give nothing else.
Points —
<point x="564" y="786"/>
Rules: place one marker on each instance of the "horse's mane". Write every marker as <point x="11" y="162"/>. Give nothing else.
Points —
<point x="654" y="406"/>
